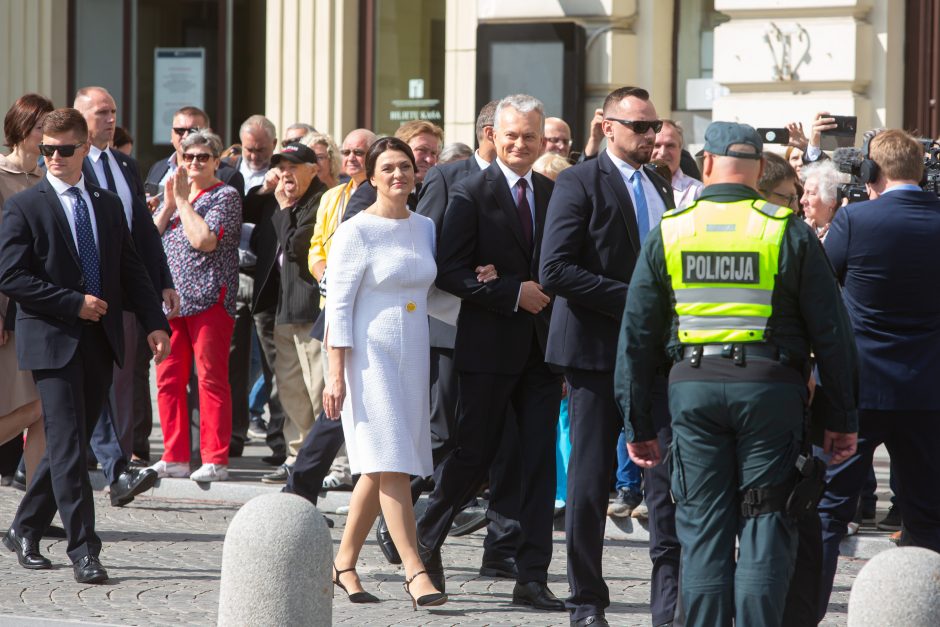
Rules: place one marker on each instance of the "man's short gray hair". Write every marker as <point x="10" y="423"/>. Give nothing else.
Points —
<point x="828" y="178"/>
<point x="205" y="138"/>
<point x="259" y="121"/>
<point x="307" y="128"/>
<point x="523" y="103"/>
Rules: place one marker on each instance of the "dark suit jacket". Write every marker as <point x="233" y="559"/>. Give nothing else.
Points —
<point x="432" y="202"/>
<point x="589" y="249"/>
<point x="884" y="253"/>
<point x="480" y="227"/>
<point x="289" y="287"/>
<point x="41" y="270"/>
<point x="226" y="173"/>
<point x="144" y="232"/>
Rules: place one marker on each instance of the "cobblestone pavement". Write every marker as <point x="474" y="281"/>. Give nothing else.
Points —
<point x="165" y="556"/>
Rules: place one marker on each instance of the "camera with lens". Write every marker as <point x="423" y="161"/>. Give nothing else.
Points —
<point x="849" y="161"/>
<point x="930" y="182"/>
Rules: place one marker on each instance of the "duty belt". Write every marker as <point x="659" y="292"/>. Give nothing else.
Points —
<point x="737" y="352"/>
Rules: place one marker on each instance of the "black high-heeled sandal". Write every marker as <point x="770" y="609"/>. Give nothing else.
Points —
<point x="355" y="597"/>
<point x="427" y="600"/>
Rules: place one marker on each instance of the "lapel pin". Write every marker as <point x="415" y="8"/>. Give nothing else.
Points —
<point x="96" y="195"/>
<point x="124" y="163"/>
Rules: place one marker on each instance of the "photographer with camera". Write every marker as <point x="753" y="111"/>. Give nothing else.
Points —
<point x="884" y="254"/>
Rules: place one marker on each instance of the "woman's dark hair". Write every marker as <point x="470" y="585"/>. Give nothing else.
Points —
<point x="23" y="116"/>
<point x="122" y="137"/>
<point x="384" y="145"/>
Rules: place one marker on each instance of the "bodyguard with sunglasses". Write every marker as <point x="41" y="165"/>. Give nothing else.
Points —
<point x="67" y="258"/>
<point x="186" y="121"/>
<point x="598" y="217"/>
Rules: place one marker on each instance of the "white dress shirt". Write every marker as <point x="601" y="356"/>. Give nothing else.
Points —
<point x="685" y="189"/>
<point x="123" y="189"/>
<point x="655" y="207"/>
<point x="483" y="163"/>
<point x="253" y="178"/>
<point x="67" y="201"/>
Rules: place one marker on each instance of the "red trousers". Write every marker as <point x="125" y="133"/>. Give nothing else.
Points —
<point x="205" y="336"/>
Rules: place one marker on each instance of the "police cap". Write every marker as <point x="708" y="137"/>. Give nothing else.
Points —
<point x="721" y="136"/>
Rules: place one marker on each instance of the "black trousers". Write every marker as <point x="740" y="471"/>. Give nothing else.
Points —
<point x="315" y="457"/>
<point x="72" y="397"/>
<point x="595" y="426"/>
<point x="143" y="404"/>
<point x="485" y="399"/>
<point x="239" y="358"/>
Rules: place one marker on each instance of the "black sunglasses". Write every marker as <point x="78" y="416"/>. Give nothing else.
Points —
<point x="65" y="150"/>
<point x="202" y="157"/>
<point x="359" y="152"/>
<point x="184" y="131"/>
<point x="640" y="126"/>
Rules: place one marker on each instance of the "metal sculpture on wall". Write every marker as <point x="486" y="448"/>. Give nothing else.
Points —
<point x="782" y="46"/>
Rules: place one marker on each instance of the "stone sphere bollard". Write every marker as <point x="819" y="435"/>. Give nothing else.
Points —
<point x="276" y="563"/>
<point x="897" y="587"/>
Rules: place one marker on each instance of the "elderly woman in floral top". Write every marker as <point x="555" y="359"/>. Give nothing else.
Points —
<point x="200" y="221"/>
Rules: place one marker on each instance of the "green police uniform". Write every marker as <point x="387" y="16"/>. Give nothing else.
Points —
<point x="733" y="293"/>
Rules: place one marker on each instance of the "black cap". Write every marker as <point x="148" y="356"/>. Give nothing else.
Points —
<point x="295" y="152"/>
<point x="721" y="136"/>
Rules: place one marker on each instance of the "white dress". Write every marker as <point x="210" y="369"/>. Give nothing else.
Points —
<point x="379" y="273"/>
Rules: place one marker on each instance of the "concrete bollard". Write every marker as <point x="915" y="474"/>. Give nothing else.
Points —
<point x="897" y="587"/>
<point x="276" y="565"/>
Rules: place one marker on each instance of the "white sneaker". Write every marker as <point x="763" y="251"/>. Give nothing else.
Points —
<point x="210" y="472"/>
<point x="177" y="470"/>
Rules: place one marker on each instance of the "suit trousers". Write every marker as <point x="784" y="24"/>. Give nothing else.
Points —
<point x="485" y="399"/>
<point x="299" y="376"/>
<point x="315" y="457"/>
<point x="912" y="439"/>
<point x="595" y="426"/>
<point x="72" y="397"/>
<point x="239" y="358"/>
<point x="143" y="403"/>
<point x="264" y="326"/>
<point x="205" y="336"/>
<point x="112" y="440"/>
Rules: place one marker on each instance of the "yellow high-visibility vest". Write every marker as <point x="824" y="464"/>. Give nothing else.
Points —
<point x="723" y="260"/>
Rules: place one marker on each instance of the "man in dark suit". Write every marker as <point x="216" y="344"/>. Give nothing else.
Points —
<point x="185" y="121"/>
<point x="496" y="217"/>
<point x="884" y="254"/>
<point x="113" y="438"/>
<point x="599" y="215"/>
<point x="67" y="259"/>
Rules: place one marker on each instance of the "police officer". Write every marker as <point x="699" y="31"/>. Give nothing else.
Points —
<point x="729" y="292"/>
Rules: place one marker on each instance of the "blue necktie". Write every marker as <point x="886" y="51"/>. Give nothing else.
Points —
<point x="642" y="211"/>
<point x="109" y="178"/>
<point x="87" y="250"/>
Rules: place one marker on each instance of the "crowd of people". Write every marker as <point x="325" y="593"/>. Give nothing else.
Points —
<point x="545" y="324"/>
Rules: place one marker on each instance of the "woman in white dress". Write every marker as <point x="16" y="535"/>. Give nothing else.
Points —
<point x="381" y="267"/>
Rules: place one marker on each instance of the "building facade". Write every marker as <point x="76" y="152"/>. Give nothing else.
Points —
<point x="340" y="64"/>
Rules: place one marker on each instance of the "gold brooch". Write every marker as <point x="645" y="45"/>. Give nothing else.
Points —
<point x="411" y="306"/>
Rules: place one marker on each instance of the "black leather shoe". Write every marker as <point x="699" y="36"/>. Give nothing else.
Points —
<point x="503" y="567"/>
<point x="19" y="480"/>
<point x="274" y="460"/>
<point x="536" y="594"/>
<point x="433" y="566"/>
<point x="137" y="464"/>
<point x="27" y="551"/>
<point x="468" y="521"/>
<point x="597" y="620"/>
<point x="384" y="538"/>
<point x="130" y="483"/>
<point x="89" y="570"/>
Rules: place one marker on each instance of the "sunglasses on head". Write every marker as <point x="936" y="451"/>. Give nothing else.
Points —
<point x="184" y="131"/>
<point x="359" y="152"/>
<point x="640" y="126"/>
<point x="64" y="150"/>
<point x="202" y="157"/>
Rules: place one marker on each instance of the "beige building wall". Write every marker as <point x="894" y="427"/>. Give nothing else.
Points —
<point x="312" y="64"/>
<point x="785" y="61"/>
<point x="33" y="34"/>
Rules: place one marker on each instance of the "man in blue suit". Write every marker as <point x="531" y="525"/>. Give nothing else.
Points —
<point x="67" y="259"/>
<point x="599" y="215"/>
<point x="113" y="438"/>
<point x="884" y="253"/>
